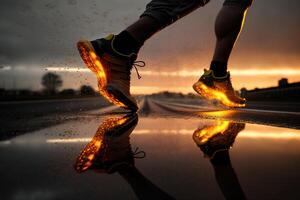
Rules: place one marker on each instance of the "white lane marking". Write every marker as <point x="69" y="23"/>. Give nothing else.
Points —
<point x="238" y="109"/>
<point x="269" y="111"/>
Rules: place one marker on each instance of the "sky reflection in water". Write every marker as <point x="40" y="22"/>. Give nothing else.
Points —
<point x="179" y="159"/>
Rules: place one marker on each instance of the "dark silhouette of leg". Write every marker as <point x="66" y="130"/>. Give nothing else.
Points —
<point x="215" y="142"/>
<point x="157" y="15"/>
<point x="228" y="26"/>
<point x="143" y="29"/>
<point x="226" y="176"/>
<point x="142" y="187"/>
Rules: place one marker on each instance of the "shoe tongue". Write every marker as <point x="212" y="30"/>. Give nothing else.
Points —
<point x="118" y="51"/>
<point x="207" y="72"/>
<point x="109" y="37"/>
<point x="133" y="57"/>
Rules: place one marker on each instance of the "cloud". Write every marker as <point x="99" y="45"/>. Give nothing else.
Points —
<point x="46" y="31"/>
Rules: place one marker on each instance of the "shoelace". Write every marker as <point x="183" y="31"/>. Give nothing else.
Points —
<point x="138" y="154"/>
<point x="137" y="64"/>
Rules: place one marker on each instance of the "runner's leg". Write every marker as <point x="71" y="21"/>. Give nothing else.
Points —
<point x="228" y="26"/>
<point x="158" y="14"/>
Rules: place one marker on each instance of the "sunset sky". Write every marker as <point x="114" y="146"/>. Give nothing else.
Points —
<point x="38" y="36"/>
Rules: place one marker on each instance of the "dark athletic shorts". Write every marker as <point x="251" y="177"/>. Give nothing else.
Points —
<point x="168" y="11"/>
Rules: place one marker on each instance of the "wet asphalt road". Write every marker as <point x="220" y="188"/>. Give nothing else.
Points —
<point x="249" y="115"/>
<point x="20" y="117"/>
<point x="263" y="162"/>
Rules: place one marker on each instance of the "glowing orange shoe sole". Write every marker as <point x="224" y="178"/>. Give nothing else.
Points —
<point x="93" y="62"/>
<point x="210" y="94"/>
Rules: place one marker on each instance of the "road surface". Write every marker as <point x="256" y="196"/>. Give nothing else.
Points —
<point x="169" y="162"/>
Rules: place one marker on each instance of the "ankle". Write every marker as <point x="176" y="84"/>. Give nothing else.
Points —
<point x="124" y="43"/>
<point x="219" y="68"/>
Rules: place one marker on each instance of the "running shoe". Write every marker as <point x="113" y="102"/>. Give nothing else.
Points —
<point x="112" y="69"/>
<point x="219" y="88"/>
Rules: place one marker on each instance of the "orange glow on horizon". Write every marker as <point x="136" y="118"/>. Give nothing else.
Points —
<point x="182" y="80"/>
<point x="259" y="71"/>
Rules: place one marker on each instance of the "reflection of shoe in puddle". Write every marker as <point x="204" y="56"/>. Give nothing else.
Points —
<point x="219" y="137"/>
<point x="110" y="148"/>
<point x="110" y="151"/>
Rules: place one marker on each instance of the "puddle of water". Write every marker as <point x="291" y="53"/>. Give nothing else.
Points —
<point x="121" y="157"/>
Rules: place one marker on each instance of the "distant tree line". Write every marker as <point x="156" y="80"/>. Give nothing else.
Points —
<point x="51" y="83"/>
